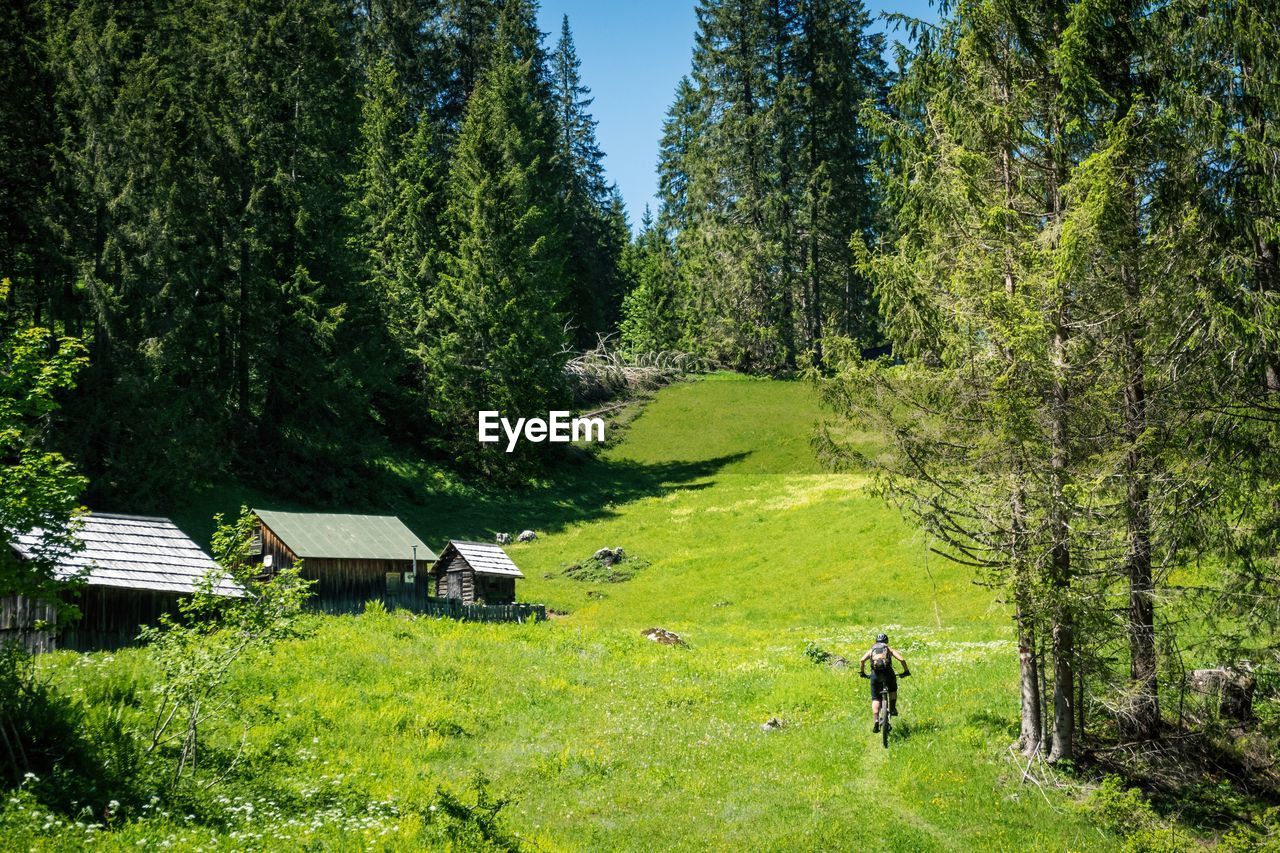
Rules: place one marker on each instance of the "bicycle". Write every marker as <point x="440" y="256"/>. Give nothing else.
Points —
<point x="885" y="715"/>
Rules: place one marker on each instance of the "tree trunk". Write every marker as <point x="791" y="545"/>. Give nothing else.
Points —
<point x="1029" y="678"/>
<point x="1062" y="609"/>
<point x="1143" y="721"/>
<point x="1030" y="737"/>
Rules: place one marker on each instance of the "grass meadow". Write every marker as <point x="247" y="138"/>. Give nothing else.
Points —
<point x="600" y="739"/>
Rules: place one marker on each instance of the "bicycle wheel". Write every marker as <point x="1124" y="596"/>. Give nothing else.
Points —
<point x="886" y="725"/>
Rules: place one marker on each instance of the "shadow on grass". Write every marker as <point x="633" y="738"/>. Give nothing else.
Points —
<point x="905" y="729"/>
<point x="585" y="488"/>
<point x="1004" y="724"/>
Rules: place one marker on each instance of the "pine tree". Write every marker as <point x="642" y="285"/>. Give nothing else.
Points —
<point x="27" y="136"/>
<point x="497" y="332"/>
<point x="397" y="212"/>
<point x="970" y="281"/>
<point x="593" y="250"/>
<point x="765" y="175"/>
<point x="651" y="320"/>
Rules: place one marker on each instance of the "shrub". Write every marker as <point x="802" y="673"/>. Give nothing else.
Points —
<point x="453" y="822"/>
<point x="816" y="653"/>
<point x="1120" y="809"/>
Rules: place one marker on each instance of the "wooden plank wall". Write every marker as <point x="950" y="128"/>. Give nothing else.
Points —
<point x="18" y="618"/>
<point x="456" y="564"/>
<point x="493" y="590"/>
<point x="281" y="556"/>
<point x="357" y="577"/>
<point x="110" y="618"/>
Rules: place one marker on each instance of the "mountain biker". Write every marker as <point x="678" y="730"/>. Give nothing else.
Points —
<point x="882" y="675"/>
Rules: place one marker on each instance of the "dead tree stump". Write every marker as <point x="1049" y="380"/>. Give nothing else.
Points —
<point x="1232" y="687"/>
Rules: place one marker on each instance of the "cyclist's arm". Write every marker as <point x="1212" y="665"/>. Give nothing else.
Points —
<point x="901" y="660"/>
<point x="862" y="664"/>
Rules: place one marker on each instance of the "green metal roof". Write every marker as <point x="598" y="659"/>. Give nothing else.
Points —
<point x="332" y="536"/>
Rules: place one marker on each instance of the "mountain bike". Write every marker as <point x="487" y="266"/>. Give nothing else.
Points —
<point x="885" y="716"/>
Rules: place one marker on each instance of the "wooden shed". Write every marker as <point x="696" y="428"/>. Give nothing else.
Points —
<point x="347" y="555"/>
<point x="476" y="573"/>
<point x="134" y="568"/>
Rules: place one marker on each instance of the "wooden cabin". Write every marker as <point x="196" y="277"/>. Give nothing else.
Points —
<point x="134" y="568"/>
<point x="476" y="573"/>
<point x="348" y="556"/>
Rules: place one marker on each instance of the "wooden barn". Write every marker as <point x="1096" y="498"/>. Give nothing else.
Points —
<point x="349" y="556"/>
<point x="134" y="568"/>
<point x="476" y="573"/>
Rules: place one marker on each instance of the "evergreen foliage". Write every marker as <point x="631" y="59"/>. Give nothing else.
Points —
<point x="764" y="176"/>
<point x="597" y="229"/>
<point x="497" y="332"/>
<point x="1073" y="395"/>
<point x="241" y="209"/>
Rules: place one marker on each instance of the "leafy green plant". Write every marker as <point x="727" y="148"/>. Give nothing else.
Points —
<point x="474" y="825"/>
<point x="1120" y="809"/>
<point x="39" y="489"/>
<point x="46" y="746"/>
<point x="816" y="653"/>
<point x="195" y="653"/>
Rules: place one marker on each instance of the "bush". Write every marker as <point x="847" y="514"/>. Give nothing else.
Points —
<point x="455" y="823"/>
<point x="1260" y="836"/>
<point x="1120" y="809"/>
<point x="816" y="653"/>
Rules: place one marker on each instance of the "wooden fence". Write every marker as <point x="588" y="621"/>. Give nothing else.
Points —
<point x="30" y="624"/>
<point x="416" y="602"/>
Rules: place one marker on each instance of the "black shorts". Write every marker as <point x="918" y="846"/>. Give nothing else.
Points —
<point x="879" y="682"/>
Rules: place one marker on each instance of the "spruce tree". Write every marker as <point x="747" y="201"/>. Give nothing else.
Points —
<point x="651" y="320"/>
<point x="593" y="250"/>
<point x="765" y="175"/>
<point x="497" y="333"/>
<point x="397" y="215"/>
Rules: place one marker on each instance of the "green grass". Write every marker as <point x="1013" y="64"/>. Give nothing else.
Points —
<point x="605" y="740"/>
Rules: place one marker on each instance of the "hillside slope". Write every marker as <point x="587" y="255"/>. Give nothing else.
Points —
<point x="605" y="740"/>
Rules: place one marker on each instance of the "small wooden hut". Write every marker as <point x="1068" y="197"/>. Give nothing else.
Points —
<point x="349" y="556"/>
<point x="476" y="573"/>
<point x="133" y="569"/>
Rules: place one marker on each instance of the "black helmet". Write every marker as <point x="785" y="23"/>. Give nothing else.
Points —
<point x="882" y="638"/>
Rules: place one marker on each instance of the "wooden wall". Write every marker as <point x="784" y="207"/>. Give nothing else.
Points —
<point x="356" y="577"/>
<point x="495" y="590"/>
<point x="110" y="618"/>
<point x="459" y="566"/>
<point x="281" y="556"/>
<point x="18" y="618"/>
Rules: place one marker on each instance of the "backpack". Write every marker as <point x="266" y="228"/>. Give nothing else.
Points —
<point x="881" y="659"/>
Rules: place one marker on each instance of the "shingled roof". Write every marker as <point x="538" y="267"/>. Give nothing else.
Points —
<point x="332" y="536"/>
<point x="485" y="559"/>
<point x="133" y="552"/>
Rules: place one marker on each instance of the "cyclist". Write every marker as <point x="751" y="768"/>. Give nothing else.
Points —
<point x="882" y="675"/>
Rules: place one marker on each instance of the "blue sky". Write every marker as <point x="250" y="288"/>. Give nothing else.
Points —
<point x="633" y="54"/>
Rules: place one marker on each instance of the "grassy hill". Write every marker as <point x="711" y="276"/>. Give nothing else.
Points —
<point x="603" y="739"/>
